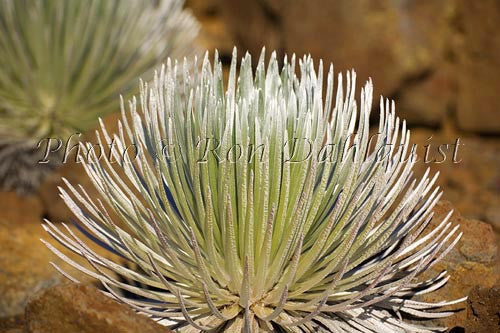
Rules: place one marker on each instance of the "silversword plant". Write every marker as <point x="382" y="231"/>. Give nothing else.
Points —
<point x="65" y="63"/>
<point x="265" y="243"/>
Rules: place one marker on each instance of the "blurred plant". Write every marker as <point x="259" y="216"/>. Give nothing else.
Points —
<point x="65" y="62"/>
<point x="260" y="241"/>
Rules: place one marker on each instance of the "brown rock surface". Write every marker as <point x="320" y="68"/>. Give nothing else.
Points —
<point x="84" y="309"/>
<point x="483" y="310"/>
<point x="251" y="25"/>
<point x="25" y="267"/>
<point x="55" y="208"/>
<point x="386" y="40"/>
<point x="18" y="209"/>
<point x="202" y="8"/>
<point x="471" y="263"/>
<point x="12" y="324"/>
<point x="392" y="42"/>
<point x="427" y="99"/>
<point x="435" y="57"/>
<point x="479" y="66"/>
<point x="215" y="36"/>
<point x="480" y="242"/>
<point x="473" y="184"/>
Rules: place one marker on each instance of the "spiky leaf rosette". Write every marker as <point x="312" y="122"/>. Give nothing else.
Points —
<point x="239" y="219"/>
<point x="65" y="62"/>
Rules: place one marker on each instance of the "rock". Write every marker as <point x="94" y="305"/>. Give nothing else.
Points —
<point x="386" y="40"/>
<point x="427" y="99"/>
<point x="472" y="184"/>
<point x="479" y="243"/>
<point x="478" y="239"/>
<point x="251" y="26"/>
<point x="483" y="310"/>
<point x="435" y="57"/>
<point x="492" y="213"/>
<point x="202" y="8"/>
<point x="84" y="309"/>
<point x="17" y="209"/>
<point x="215" y="36"/>
<point x="55" y="208"/>
<point x="478" y="66"/>
<point x="12" y="324"/>
<point x="473" y="257"/>
<point x="274" y="7"/>
<point x="214" y="33"/>
<point x="25" y="265"/>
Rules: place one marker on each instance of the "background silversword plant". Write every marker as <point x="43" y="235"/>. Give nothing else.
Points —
<point x="277" y="237"/>
<point x="65" y="62"/>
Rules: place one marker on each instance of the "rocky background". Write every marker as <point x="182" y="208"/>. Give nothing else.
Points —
<point x="440" y="62"/>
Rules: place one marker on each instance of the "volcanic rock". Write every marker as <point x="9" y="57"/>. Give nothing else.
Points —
<point x="483" y="310"/>
<point x="478" y="56"/>
<point x="471" y="264"/>
<point x="18" y="209"/>
<point x="25" y="265"/>
<point x="83" y="309"/>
